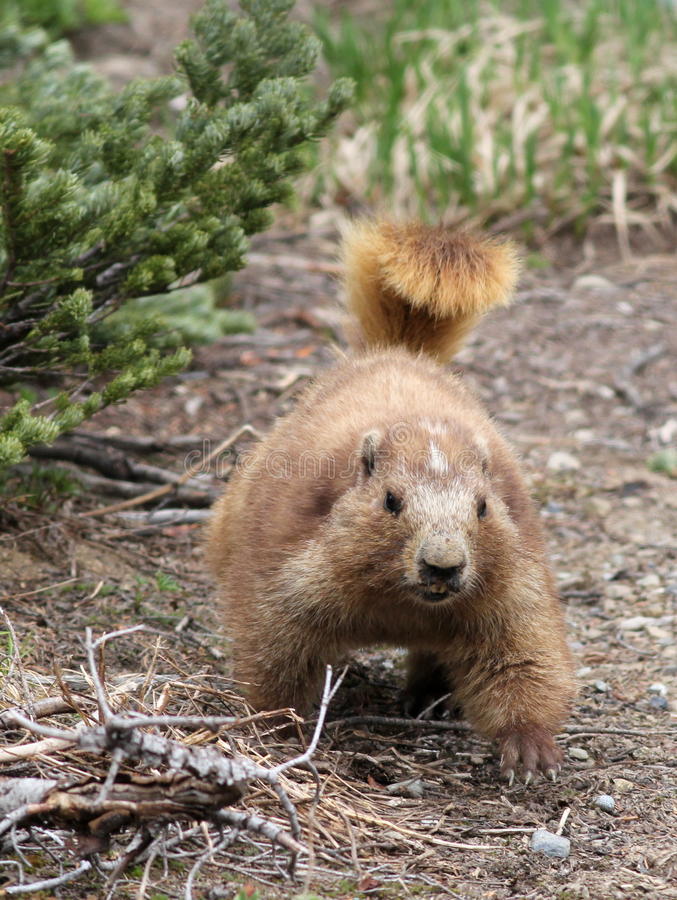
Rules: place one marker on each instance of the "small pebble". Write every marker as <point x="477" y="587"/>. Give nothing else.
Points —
<point x="667" y="432"/>
<point x="593" y="283"/>
<point x="561" y="461"/>
<point x="578" y="753"/>
<point x="649" y="581"/>
<point x="619" y="591"/>
<point x="407" y="788"/>
<point x="601" y="687"/>
<point x="622" y="785"/>
<point x="600" y="506"/>
<point x="660" y="635"/>
<point x="544" y="841"/>
<point x="605" y="802"/>
<point x="658" y="688"/>
<point x="658" y="703"/>
<point x="636" y="623"/>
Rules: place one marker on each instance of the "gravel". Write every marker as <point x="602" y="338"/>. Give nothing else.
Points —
<point x="605" y="802"/>
<point x="554" y="845"/>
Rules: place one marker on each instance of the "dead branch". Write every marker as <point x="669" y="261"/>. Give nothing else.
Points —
<point x="49" y="883"/>
<point x="184" y="782"/>
<point x="397" y="722"/>
<point x="463" y="728"/>
<point x="48" y="706"/>
<point x="141" y="443"/>
<point x="109" y="462"/>
<point x="168" y="488"/>
<point x="18" y="792"/>
<point x="158" y="517"/>
<point x="33" y="750"/>
<point x="287" y="261"/>
<point x="188" y="496"/>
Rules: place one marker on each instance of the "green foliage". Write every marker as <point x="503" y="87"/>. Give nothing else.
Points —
<point x="166" y="583"/>
<point x="42" y="488"/>
<point x="99" y="206"/>
<point x="188" y="314"/>
<point x="60" y="16"/>
<point x="482" y="107"/>
<point x="664" y="461"/>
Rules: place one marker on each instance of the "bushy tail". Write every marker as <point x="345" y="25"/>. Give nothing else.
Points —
<point x="422" y="287"/>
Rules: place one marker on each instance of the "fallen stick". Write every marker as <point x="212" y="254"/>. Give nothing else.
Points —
<point x="141" y="442"/>
<point x="167" y="516"/>
<point x="168" y="488"/>
<point x="112" y="464"/>
<point x="48" y="883"/>
<point x="185" y="782"/>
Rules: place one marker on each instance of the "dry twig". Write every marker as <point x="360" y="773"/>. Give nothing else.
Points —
<point x="182" y="479"/>
<point x="195" y="783"/>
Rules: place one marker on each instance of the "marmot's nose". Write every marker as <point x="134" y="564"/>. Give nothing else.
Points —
<point x="442" y="553"/>
<point x="450" y="576"/>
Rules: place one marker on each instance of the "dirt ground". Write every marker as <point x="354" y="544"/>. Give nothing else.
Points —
<point x="580" y="375"/>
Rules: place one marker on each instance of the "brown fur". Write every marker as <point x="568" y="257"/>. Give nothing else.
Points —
<point x="423" y="288"/>
<point x="387" y="508"/>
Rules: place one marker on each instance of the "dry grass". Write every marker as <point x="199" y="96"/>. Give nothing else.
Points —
<point x="556" y="112"/>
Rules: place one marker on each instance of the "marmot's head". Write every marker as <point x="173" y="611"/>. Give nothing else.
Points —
<point x="425" y="511"/>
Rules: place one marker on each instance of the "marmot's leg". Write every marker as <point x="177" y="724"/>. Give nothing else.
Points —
<point x="279" y="675"/>
<point x="519" y="693"/>
<point x="427" y="682"/>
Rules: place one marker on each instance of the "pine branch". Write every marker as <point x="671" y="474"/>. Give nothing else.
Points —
<point x="99" y="209"/>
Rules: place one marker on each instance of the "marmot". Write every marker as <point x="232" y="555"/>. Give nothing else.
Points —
<point x="387" y="508"/>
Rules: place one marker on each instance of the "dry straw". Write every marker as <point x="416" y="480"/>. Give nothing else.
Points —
<point x="558" y="111"/>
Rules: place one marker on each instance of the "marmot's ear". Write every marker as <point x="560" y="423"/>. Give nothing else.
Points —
<point x="369" y="450"/>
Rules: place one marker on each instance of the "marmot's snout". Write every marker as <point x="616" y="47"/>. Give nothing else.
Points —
<point x="442" y="566"/>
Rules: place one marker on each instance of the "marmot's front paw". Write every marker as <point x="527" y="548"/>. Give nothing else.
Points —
<point x="530" y="748"/>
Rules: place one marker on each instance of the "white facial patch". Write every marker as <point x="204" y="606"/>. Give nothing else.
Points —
<point x="434" y="426"/>
<point x="438" y="463"/>
<point x="446" y="509"/>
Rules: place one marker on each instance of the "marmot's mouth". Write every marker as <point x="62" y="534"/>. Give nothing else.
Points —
<point x="435" y="593"/>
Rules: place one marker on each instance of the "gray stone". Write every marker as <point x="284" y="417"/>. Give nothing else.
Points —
<point x="605" y="802"/>
<point x="593" y="283"/>
<point x="561" y="461"/>
<point x="636" y="623"/>
<point x="623" y="786"/>
<point x="658" y="688"/>
<point x="409" y="788"/>
<point x="649" y="581"/>
<point x="578" y="753"/>
<point x="544" y="841"/>
<point x="658" y="703"/>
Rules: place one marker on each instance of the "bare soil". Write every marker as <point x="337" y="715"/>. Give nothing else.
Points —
<point x="580" y="374"/>
<point x="575" y="368"/>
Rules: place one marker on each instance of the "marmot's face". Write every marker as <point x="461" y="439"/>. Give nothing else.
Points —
<point x="428" y="513"/>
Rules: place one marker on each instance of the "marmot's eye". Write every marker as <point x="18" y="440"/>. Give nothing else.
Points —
<point x="481" y="508"/>
<point x="392" y="503"/>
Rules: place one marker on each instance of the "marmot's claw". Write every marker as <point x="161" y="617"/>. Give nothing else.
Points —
<point x="510" y="775"/>
<point x="552" y="773"/>
<point x="531" y="748"/>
